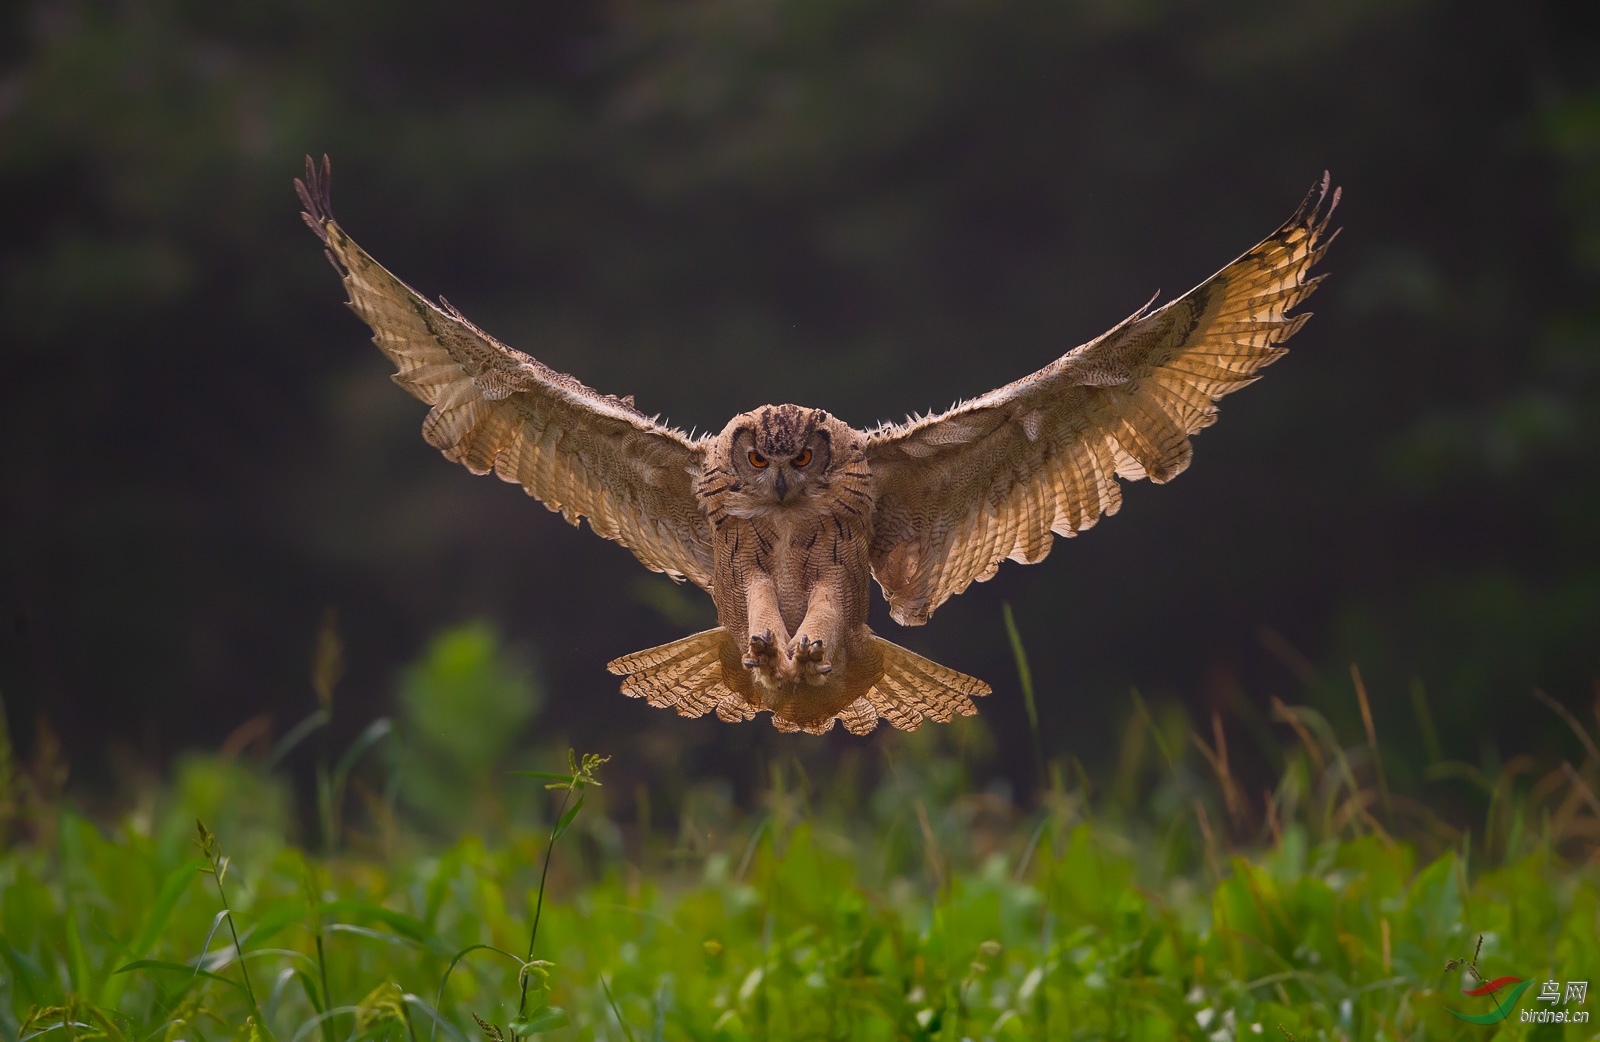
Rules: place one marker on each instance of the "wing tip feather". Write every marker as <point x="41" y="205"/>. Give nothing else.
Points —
<point x="316" y="195"/>
<point x="1306" y="215"/>
<point x="1268" y="281"/>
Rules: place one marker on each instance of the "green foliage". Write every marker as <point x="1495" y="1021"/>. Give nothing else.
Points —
<point x="463" y="707"/>
<point x="1065" y="924"/>
<point x="1167" y="904"/>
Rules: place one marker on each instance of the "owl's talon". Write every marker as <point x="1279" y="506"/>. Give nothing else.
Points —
<point x="762" y="655"/>
<point x="810" y="664"/>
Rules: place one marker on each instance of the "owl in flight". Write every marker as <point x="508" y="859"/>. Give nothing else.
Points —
<point x="787" y="514"/>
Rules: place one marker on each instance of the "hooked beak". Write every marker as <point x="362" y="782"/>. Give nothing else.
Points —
<point x="782" y="487"/>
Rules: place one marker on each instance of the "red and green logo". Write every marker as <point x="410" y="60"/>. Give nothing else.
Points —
<point x="1503" y="1004"/>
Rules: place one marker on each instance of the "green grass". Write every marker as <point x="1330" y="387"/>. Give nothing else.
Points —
<point x="788" y="931"/>
<point x="1166" y="904"/>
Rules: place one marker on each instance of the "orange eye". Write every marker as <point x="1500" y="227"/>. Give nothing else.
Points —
<point x="757" y="460"/>
<point x="802" y="459"/>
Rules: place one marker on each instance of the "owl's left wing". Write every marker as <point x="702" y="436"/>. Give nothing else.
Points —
<point x="578" y="451"/>
<point x="993" y="478"/>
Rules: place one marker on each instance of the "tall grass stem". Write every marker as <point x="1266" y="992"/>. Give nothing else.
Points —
<point x="1372" y="742"/>
<point x="1571" y="721"/>
<point x="217" y="865"/>
<point x="538" y="904"/>
<point x="1025" y="676"/>
<point x="1424" y="715"/>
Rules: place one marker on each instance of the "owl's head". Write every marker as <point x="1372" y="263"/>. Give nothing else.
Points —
<point x="782" y="456"/>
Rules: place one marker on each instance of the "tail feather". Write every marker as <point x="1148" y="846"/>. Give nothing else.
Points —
<point x="859" y="717"/>
<point x="685" y="675"/>
<point x="689" y="676"/>
<point x="912" y="687"/>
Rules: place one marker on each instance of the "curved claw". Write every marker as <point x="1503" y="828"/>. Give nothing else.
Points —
<point x="763" y="652"/>
<point x="809" y="660"/>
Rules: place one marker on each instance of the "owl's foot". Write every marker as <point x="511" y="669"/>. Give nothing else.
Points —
<point x="809" y="662"/>
<point x="763" y="655"/>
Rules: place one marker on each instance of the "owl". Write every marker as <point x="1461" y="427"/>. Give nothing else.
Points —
<point x="787" y="514"/>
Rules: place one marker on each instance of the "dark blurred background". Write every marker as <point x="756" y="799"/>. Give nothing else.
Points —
<point x="871" y="206"/>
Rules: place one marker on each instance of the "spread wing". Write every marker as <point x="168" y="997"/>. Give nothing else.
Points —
<point x="583" y="453"/>
<point x="992" y="478"/>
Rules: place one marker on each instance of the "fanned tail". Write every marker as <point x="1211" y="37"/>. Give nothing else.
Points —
<point x="911" y="688"/>
<point x="685" y="675"/>
<point x="689" y="675"/>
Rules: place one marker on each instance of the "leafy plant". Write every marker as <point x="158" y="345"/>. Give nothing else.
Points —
<point x="1169" y="903"/>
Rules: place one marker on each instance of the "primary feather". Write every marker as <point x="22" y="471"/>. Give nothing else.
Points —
<point x="578" y="451"/>
<point x="993" y="478"/>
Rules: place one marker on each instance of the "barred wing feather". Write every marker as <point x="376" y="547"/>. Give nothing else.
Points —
<point x="496" y="409"/>
<point x="994" y="478"/>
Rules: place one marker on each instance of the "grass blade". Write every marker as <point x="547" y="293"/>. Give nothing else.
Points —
<point x="566" y="820"/>
<point x="1425" y="724"/>
<point x="435" y="1016"/>
<point x="1025" y="677"/>
<point x="297" y="734"/>
<point x="1372" y="741"/>
<point x="172" y="890"/>
<point x="375" y="732"/>
<point x="36" y="984"/>
<point x="376" y="935"/>
<point x="463" y="953"/>
<point x="321" y="1018"/>
<point x="406" y="926"/>
<point x="177" y="967"/>
<point x="612" y="1002"/>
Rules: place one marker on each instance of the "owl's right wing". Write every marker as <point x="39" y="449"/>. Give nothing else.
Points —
<point x="578" y="451"/>
<point x="993" y="478"/>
